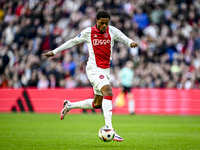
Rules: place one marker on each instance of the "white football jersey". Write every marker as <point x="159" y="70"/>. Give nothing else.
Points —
<point x="99" y="44"/>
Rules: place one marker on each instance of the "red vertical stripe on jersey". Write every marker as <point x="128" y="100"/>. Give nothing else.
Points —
<point x="101" y="43"/>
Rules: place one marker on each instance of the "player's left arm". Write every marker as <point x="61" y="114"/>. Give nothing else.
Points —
<point x="119" y="36"/>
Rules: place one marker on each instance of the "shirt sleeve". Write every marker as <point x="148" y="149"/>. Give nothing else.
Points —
<point x="119" y="36"/>
<point x="82" y="37"/>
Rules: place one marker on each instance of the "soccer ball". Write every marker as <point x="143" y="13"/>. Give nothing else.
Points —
<point x="106" y="134"/>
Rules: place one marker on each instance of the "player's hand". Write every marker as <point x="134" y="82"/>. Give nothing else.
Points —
<point x="134" y="44"/>
<point x="48" y="54"/>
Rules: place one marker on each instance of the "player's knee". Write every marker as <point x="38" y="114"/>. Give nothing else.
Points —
<point x="106" y="90"/>
<point x="108" y="93"/>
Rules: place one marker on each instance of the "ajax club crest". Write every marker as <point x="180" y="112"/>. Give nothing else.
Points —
<point x="105" y="35"/>
<point x="101" y="76"/>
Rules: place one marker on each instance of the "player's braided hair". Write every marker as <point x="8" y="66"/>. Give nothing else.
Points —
<point x="102" y="14"/>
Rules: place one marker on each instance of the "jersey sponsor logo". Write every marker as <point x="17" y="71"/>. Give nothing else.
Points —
<point x="101" y="76"/>
<point x="79" y="35"/>
<point x="100" y="42"/>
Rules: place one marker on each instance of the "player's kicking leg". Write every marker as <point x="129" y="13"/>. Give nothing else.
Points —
<point x="67" y="106"/>
<point x="65" y="109"/>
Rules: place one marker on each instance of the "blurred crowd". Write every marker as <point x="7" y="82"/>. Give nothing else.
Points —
<point x="167" y="31"/>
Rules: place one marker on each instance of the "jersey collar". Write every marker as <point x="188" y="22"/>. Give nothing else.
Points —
<point x="95" y="27"/>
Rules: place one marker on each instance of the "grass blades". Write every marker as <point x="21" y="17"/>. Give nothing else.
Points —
<point x="21" y="131"/>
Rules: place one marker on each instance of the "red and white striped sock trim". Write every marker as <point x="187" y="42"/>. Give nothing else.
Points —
<point x="93" y="104"/>
<point x="108" y="97"/>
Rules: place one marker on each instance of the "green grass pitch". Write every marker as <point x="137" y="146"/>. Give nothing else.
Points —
<point x="24" y="131"/>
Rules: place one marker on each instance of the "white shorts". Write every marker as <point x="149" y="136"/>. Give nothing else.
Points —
<point x="98" y="78"/>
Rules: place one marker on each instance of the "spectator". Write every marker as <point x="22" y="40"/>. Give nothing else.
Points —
<point x="157" y="15"/>
<point x="69" y="65"/>
<point x="43" y="83"/>
<point x="33" y="80"/>
<point x="16" y="82"/>
<point x="141" y="18"/>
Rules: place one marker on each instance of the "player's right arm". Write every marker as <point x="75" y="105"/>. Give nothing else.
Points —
<point x="82" y="37"/>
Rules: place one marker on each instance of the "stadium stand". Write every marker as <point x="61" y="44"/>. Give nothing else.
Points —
<point x="168" y="33"/>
